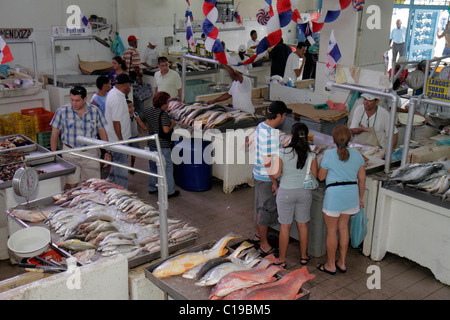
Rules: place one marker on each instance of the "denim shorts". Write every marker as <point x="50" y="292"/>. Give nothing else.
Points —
<point x="265" y="204"/>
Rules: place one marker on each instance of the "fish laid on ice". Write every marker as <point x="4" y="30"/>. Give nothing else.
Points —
<point x="85" y="256"/>
<point x="199" y="271"/>
<point x="30" y="215"/>
<point x="416" y="172"/>
<point x="243" y="279"/>
<point x="76" y="245"/>
<point x="446" y="196"/>
<point x="183" y="262"/>
<point x="287" y="288"/>
<point x="445" y="185"/>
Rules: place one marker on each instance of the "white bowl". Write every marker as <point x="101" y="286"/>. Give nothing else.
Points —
<point x="403" y="119"/>
<point x="29" y="242"/>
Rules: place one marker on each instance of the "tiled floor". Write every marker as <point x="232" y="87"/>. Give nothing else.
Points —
<point x="216" y="213"/>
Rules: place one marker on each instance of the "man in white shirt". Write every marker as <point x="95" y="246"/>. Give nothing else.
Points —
<point x="295" y="64"/>
<point x="240" y="91"/>
<point x="150" y="55"/>
<point x="167" y="80"/>
<point x="253" y="42"/>
<point x="119" y="125"/>
<point x="397" y="41"/>
<point x="370" y="123"/>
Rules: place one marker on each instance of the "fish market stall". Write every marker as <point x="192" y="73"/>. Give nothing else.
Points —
<point x="49" y="169"/>
<point x="227" y="129"/>
<point x="204" y="272"/>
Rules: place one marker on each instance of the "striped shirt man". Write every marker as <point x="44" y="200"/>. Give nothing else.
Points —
<point x="131" y="54"/>
<point x="72" y="125"/>
<point x="267" y="143"/>
<point x="155" y="119"/>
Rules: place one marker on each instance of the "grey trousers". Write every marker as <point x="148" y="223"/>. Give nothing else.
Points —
<point x="397" y="48"/>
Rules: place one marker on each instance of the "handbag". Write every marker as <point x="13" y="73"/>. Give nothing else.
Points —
<point x="310" y="181"/>
<point x="358" y="228"/>
<point x="142" y="91"/>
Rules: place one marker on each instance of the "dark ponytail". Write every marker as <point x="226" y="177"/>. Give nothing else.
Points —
<point x="341" y="137"/>
<point x="299" y="143"/>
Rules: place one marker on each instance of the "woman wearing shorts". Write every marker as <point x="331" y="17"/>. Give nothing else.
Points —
<point x="345" y="175"/>
<point x="293" y="201"/>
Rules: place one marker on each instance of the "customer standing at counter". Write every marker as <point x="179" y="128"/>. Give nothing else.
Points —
<point x="295" y="64"/>
<point x="118" y="67"/>
<point x="240" y="91"/>
<point x="370" y="123"/>
<point x="167" y="80"/>
<point x="293" y="200"/>
<point x="267" y="148"/>
<point x="79" y="119"/>
<point x="119" y="126"/>
<point x="253" y="42"/>
<point x="345" y="174"/>
<point x="157" y="121"/>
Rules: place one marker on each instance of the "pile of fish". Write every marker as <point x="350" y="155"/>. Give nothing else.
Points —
<point x="432" y="177"/>
<point x="210" y="116"/>
<point x="101" y="217"/>
<point x="241" y="275"/>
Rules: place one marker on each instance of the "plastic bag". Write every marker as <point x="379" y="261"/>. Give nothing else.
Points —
<point x="358" y="228"/>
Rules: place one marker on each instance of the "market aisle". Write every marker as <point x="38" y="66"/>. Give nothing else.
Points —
<point x="216" y="213"/>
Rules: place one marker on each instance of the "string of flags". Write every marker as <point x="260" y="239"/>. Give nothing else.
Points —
<point x="333" y="54"/>
<point x="189" y="32"/>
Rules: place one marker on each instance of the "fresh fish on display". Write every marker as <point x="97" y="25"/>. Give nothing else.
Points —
<point x="213" y="276"/>
<point x="31" y="215"/>
<point x="243" y="279"/>
<point x="199" y="271"/>
<point x="415" y="173"/>
<point x="76" y="245"/>
<point x="446" y="196"/>
<point x="127" y="250"/>
<point x="183" y="262"/>
<point x="445" y="185"/>
<point x="287" y="288"/>
<point x="85" y="256"/>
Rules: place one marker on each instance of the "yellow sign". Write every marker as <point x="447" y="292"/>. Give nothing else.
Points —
<point x="438" y="89"/>
<point x="201" y="51"/>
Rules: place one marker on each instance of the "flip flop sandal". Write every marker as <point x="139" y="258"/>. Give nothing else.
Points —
<point x="321" y="267"/>
<point x="256" y="238"/>
<point x="263" y="253"/>
<point x="340" y="270"/>
<point x="304" y="261"/>
<point x="281" y="264"/>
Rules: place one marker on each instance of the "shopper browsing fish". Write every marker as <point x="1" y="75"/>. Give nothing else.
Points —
<point x="343" y="169"/>
<point x="293" y="200"/>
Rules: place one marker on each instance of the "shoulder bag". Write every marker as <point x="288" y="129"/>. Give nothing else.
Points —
<point x="310" y="181"/>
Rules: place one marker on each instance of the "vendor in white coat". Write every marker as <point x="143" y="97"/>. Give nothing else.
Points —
<point x="370" y="123"/>
<point x="240" y="91"/>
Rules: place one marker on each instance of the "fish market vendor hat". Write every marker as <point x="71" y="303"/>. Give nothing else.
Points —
<point x="369" y="96"/>
<point x="242" y="48"/>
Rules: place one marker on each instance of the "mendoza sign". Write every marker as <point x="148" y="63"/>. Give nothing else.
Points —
<point x="438" y="89"/>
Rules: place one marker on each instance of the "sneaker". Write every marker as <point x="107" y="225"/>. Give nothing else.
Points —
<point x="175" y="194"/>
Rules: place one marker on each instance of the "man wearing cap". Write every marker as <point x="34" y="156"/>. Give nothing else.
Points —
<point x="370" y="123"/>
<point x="150" y="55"/>
<point x="239" y="58"/>
<point x="79" y="118"/>
<point x="240" y="91"/>
<point x="119" y="125"/>
<point x="267" y="147"/>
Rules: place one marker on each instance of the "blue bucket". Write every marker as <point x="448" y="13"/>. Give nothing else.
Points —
<point x="193" y="173"/>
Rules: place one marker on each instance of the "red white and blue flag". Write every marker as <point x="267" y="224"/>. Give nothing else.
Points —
<point x="5" y="53"/>
<point x="333" y="54"/>
<point x="85" y="20"/>
<point x="188" y="13"/>
<point x="190" y="35"/>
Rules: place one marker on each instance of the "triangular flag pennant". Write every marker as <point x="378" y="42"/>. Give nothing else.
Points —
<point x="190" y="35"/>
<point x="5" y="53"/>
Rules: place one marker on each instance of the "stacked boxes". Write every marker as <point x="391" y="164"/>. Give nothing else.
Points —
<point x="44" y="117"/>
<point x="14" y="123"/>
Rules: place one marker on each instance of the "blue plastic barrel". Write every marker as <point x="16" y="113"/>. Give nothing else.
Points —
<point x="195" y="174"/>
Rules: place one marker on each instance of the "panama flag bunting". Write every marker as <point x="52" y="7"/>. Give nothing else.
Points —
<point x="333" y="54"/>
<point x="5" y="53"/>
<point x="190" y="35"/>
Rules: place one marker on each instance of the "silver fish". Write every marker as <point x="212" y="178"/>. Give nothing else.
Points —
<point x="415" y="173"/>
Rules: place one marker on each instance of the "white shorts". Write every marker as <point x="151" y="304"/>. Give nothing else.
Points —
<point x="336" y="214"/>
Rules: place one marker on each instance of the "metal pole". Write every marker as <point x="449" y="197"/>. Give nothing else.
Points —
<point x="183" y="78"/>
<point x="53" y="61"/>
<point x="393" y="100"/>
<point x="33" y="52"/>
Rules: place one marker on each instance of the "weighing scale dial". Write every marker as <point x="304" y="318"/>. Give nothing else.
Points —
<point x="444" y="74"/>
<point x="415" y="79"/>
<point x="25" y="181"/>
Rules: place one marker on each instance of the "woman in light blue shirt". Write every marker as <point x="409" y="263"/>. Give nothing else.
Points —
<point x="293" y="200"/>
<point x="345" y="176"/>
